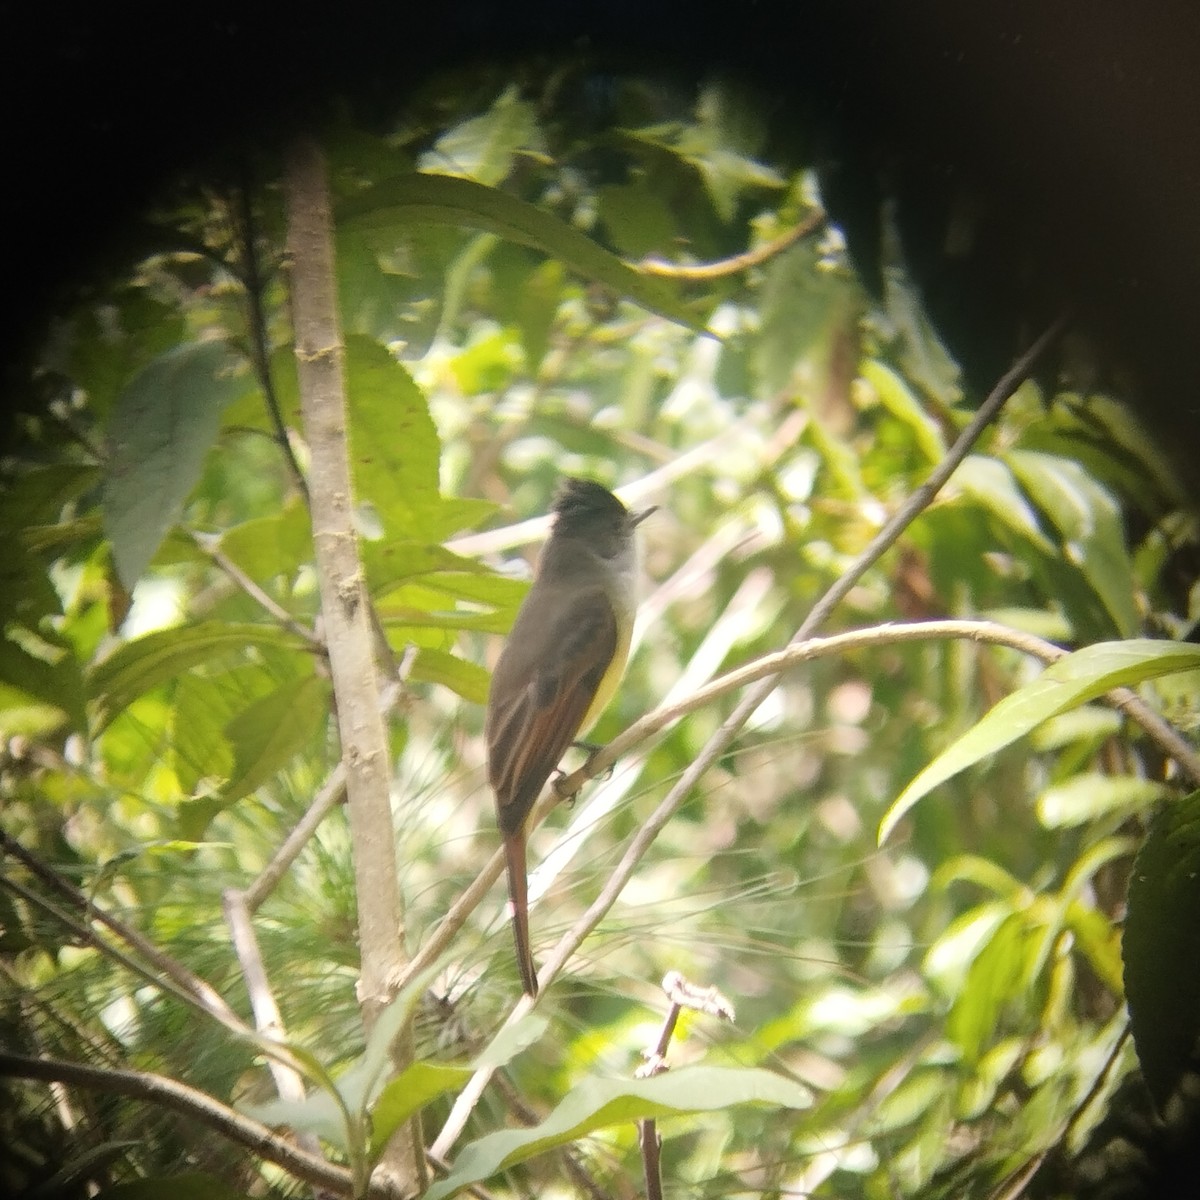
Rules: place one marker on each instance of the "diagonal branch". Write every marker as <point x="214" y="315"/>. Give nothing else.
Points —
<point x="198" y="1106"/>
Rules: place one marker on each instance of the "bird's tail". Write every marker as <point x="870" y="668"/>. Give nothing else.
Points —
<point x="514" y="852"/>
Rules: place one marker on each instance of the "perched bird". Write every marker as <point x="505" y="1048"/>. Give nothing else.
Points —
<point x="560" y="666"/>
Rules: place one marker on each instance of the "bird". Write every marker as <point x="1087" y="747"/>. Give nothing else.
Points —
<point x="559" y="668"/>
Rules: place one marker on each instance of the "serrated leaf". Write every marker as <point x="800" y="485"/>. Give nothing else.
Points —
<point x="138" y="666"/>
<point x="599" y="1103"/>
<point x="394" y="446"/>
<point x="164" y="423"/>
<point x="442" y="199"/>
<point x="1161" y="947"/>
<point x="1088" y="521"/>
<point x="266" y="736"/>
<point x="1077" y="679"/>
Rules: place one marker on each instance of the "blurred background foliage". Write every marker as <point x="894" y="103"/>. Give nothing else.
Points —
<point x="954" y="999"/>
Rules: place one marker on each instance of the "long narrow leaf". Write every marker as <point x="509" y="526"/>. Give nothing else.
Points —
<point x="1066" y="684"/>
<point x="598" y="1103"/>
<point x="445" y="200"/>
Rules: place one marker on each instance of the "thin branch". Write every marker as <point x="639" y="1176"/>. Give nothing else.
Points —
<point x="208" y="545"/>
<point x="682" y="994"/>
<point x="921" y="498"/>
<point x="332" y="793"/>
<point x="190" y="986"/>
<point x="289" y="1083"/>
<point x="260" y="348"/>
<point x="198" y="1106"/>
<point x="739" y="262"/>
<point x="1159" y="731"/>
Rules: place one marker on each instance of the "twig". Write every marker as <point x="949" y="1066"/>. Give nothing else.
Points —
<point x="739" y="262"/>
<point x="682" y="994"/>
<point x="267" y="1018"/>
<point x="208" y="545"/>
<point x="767" y="668"/>
<point x="260" y="355"/>
<point x="1159" y="731"/>
<point x="920" y="499"/>
<point x="332" y="793"/>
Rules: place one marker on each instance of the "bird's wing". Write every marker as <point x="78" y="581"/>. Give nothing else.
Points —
<point x="535" y="718"/>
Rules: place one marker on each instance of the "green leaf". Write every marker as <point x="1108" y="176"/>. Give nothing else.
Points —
<point x="1091" y="795"/>
<point x="898" y="398"/>
<point x="637" y="217"/>
<point x="444" y="200"/>
<point x="394" y="446"/>
<point x="266" y="736"/>
<point x="408" y="1093"/>
<point x="991" y="484"/>
<point x="164" y="423"/>
<point x="464" y="678"/>
<point x="1088" y="520"/>
<point x="326" y="1114"/>
<point x="138" y="666"/>
<point x="799" y="306"/>
<point x="511" y="1040"/>
<point x="599" y="1103"/>
<point x="265" y="547"/>
<point x="318" y="1113"/>
<point x="997" y="976"/>
<point x="1161" y="947"/>
<point x="37" y="496"/>
<point x="41" y="673"/>
<point x="391" y="563"/>
<point x="484" y="147"/>
<point x="1068" y="683"/>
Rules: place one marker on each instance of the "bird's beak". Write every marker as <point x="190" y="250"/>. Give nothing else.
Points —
<point x="638" y="517"/>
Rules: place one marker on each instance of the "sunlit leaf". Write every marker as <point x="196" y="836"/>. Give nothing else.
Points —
<point x="137" y="666"/>
<point x="598" y="1103"/>
<point x="462" y="202"/>
<point x="465" y="678"/>
<point x="996" y="977"/>
<point x="1074" y="680"/>
<point x="267" y="735"/>
<point x="1091" y="795"/>
<point x="483" y="147"/>
<point x="1089" y="522"/>
<point x="898" y="398"/>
